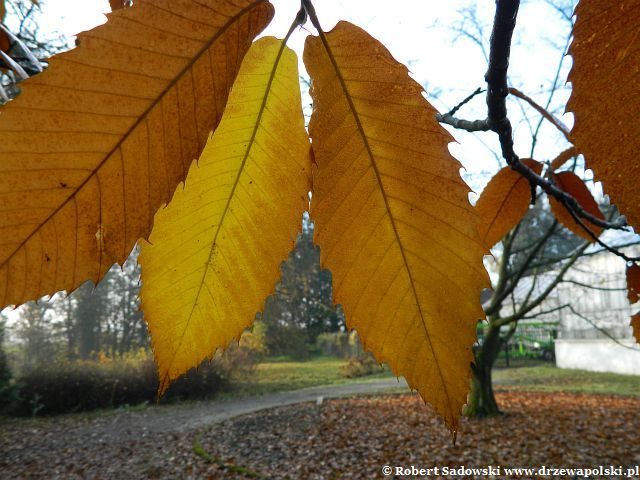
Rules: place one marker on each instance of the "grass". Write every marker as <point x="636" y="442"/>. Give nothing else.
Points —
<point x="279" y="374"/>
<point x="551" y="379"/>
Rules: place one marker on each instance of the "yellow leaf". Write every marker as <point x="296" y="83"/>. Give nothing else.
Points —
<point x="503" y="202"/>
<point x="215" y="250"/>
<point x="574" y="186"/>
<point x="95" y="144"/>
<point x="393" y="220"/>
<point x="605" y="80"/>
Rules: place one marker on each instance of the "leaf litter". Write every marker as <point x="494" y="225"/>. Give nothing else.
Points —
<point x="347" y="438"/>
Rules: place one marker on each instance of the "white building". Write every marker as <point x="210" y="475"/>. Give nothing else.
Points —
<point x="591" y="313"/>
<point x="596" y="335"/>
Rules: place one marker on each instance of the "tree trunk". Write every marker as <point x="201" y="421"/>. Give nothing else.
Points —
<point x="482" y="401"/>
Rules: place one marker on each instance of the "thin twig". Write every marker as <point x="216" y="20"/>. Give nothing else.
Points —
<point x="477" y="91"/>
<point x="586" y="319"/>
<point x="544" y="312"/>
<point x="554" y="87"/>
<point x="593" y="287"/>
<point x="542" y="111"/>
<point x="602" y="330"/>
<point x="596" y="239"/>
<point x="524" y="309"/>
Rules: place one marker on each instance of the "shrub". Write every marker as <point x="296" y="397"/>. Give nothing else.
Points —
<point x="241" y="358"/>
<point x="73" y="386"/>
<point x="360" y="366"/>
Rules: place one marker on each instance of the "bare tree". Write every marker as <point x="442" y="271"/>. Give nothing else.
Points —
<point x="537" y="254"/>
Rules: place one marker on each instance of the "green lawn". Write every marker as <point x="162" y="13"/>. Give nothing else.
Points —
<point x="283" y="374"/>
<point x="552" y="379"/>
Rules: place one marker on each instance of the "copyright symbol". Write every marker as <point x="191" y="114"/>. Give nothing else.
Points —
<point x="386" y="470"/>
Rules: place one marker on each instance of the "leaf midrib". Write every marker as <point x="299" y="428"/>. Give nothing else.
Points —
<point x="135" y="125"/>
<point x="236" y="182"/>
<point x="374" y="165"/>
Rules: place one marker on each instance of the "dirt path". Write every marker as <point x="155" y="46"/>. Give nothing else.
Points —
<point x="145" y="443"/>
<point x="202" y="414"/>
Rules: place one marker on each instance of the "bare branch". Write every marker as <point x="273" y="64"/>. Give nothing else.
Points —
<point x="498" y="121"/>
<point x="468" y="125"/>
<point x="534" y="283"/>
<point x="507" y="283"/>
<point x="526" y="308"/>
<point x="545" y="312"/>
<point x="613" y="250"/>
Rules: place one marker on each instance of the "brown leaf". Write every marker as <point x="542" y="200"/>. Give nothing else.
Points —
<point x="633" y="283"/>
<point x="503" y="202"/>
<point x="94" y="145"/>
<point x="5" y="44"/>
<point x="574" y="186"/>
<point x="563" y="157"/>
<point x="4" y="39"/>
<point x="635" y="325"/>
<point x="118" y="4"/>
<point x="605" y="83"/>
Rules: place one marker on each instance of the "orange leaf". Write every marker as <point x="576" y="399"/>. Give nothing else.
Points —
<point x="94" y="145"/>
<point x="633" y="283"/>
<point x="605" y="80"/>
<point x="503" y="202"/>
<point x="635" y="324"/>
<point x="393" y="219"/>
<point x="574" y="186"/>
